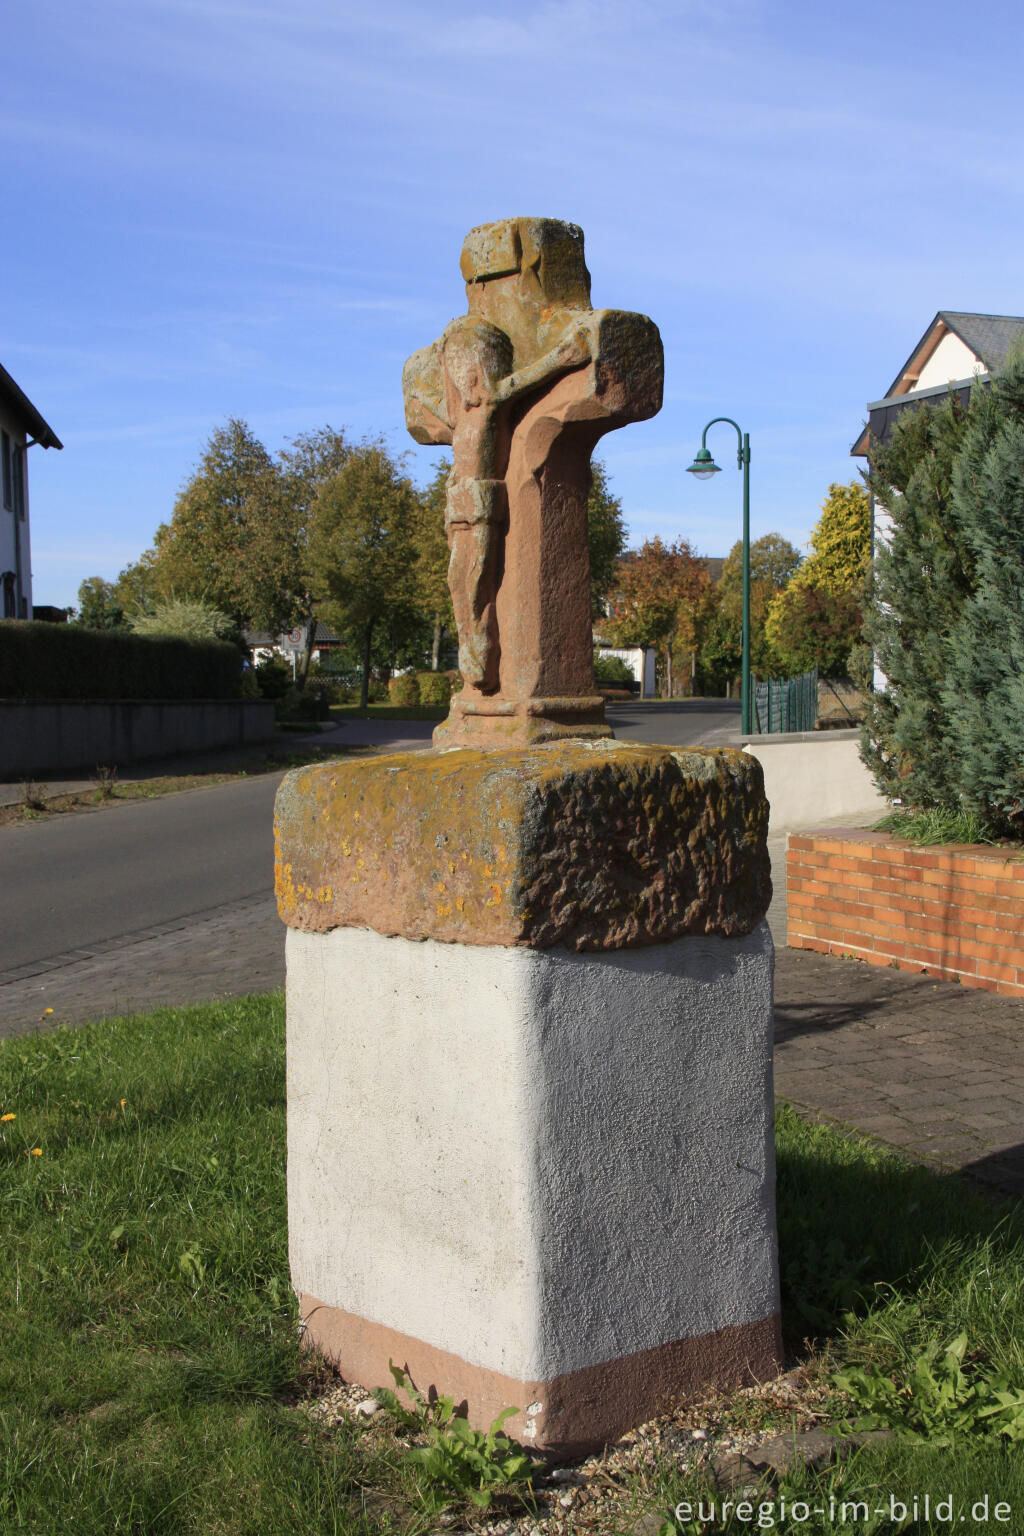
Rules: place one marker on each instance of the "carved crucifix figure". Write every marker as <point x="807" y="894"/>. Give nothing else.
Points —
<point x="522" y="387"/>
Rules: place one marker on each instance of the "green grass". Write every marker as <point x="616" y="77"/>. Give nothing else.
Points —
<point x="149" y="1364"/>
<point x="150" y="1379"/>
<point x="936" y="826"/>
<point x="879" y="1258"/>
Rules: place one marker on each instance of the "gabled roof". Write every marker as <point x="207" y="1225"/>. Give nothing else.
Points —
<point x="989" y="337"/>
<point x="21" y="406"/>
<point x="322" y="635"/>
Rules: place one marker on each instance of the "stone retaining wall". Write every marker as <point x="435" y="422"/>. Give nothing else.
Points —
<point x="812" y="774"/>
<point x="955" y="912"/>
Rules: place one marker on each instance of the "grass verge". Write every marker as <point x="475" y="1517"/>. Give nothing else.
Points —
<point x="150" y="1379"/>
<point x="107" y="789"/>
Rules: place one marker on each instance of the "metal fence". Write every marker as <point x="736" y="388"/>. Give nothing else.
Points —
<point x="786" y="704"/>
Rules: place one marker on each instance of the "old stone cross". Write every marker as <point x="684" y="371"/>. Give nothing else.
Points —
<point x="522" y="387"/>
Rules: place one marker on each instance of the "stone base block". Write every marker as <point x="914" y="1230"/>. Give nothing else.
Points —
<point x="587" y="845"/>
<point x="540" y="1179"/>
<point x="475" y="720"/>
<point x="568" y="1416"/>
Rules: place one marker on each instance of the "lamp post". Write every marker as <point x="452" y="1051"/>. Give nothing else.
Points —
<point x="704" y="467"/>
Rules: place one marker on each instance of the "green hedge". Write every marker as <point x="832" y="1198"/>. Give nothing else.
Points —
<point x="404" y="690"/>
<point x="434" y="688"/>
<point x="62" y="661"/>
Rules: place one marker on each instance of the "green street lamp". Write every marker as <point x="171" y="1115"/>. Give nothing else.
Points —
<point x="703" y="467"/>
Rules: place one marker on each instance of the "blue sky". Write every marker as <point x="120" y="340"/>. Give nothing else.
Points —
<point x="239" y="208"/>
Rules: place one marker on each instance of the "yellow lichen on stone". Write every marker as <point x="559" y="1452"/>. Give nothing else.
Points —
<point x="588" y="844"/>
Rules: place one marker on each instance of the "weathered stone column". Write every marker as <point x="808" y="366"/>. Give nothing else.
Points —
<point x="530" y="1151"/>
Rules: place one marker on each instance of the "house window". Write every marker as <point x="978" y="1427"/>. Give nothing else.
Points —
<point x="8" y="469"/>
<point x="9" y="606"/>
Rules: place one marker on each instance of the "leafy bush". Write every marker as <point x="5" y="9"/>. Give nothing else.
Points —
<point x="185" y="619"/>
<point x="611" y="669"/>
<point x="273" y="677"/>
<point x="308" y="705"/>
<point x="435" y="688"/>
<point x="63" y="661"/>
<point x="331" y="689"/>
<point x="404" y="689"/>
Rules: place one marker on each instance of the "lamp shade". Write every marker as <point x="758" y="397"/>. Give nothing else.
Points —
<point x="703" y="465"/>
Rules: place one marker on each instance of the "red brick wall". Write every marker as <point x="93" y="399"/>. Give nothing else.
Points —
<point x="955" y="912"/>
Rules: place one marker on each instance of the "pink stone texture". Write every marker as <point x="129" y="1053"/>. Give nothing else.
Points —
<point x="522" y="387"/>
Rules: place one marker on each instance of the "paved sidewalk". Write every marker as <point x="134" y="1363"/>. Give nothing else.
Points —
<point x="930" y="1068"/>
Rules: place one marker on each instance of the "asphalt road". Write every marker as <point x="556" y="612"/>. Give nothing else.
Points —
<point x="77" y="884"/>
<point x="682" y="723"/>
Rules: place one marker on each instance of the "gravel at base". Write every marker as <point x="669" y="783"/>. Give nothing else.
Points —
<point x="609" y="1491"/>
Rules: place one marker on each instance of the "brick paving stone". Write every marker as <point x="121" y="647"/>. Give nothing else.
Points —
<point x="227" y="953"/>
<point x="946" y="1064"/>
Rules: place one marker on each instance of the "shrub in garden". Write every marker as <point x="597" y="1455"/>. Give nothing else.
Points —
<point x="185" y="619"/>
<point x="611" y="669"/>
<point x="404" y="689"/>
<point x="435" y="688"/>
<point x="273" y="677"/>
<point x="983" y="691"/>
<point x="923" y="575"/>
<point x="308" y="705"/>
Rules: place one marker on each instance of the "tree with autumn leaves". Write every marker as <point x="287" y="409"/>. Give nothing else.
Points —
<point x="658" y="599"/>
<point x="664" y="597"/>
<point x="816" y="621"/>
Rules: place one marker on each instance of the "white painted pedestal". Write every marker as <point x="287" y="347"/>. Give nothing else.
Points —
<point x="533" y="1177"/>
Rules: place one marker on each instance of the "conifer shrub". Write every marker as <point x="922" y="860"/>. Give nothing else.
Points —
<point x="983" y="691"/>
<point x="923" y="575"/>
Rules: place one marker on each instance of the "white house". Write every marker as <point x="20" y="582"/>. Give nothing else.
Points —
<point x="21" y="428"/>
<point x="958" y="350"/>
<point x="265" y="647"/>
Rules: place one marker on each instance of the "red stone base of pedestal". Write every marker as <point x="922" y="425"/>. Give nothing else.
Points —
<point x="567" y="1416"/>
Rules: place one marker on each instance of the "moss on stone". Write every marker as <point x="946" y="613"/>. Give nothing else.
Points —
<point x="589" y="845"/>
